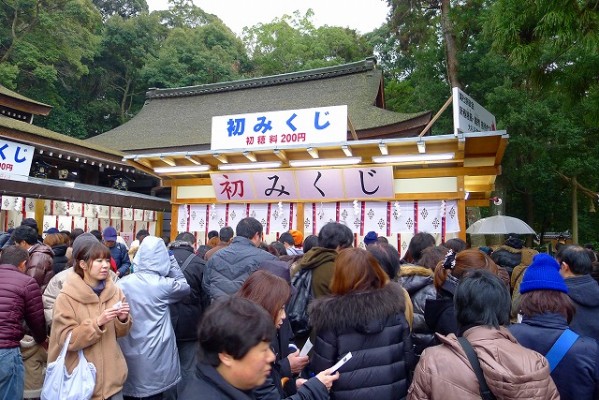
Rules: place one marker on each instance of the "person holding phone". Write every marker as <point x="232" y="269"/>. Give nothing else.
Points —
<point x="86" y="307"/>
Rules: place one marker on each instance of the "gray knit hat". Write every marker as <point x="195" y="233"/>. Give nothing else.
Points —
<point x="81" y="243"/>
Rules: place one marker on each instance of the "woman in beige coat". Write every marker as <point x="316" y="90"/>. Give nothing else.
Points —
<point x="482" y="304"/>
<point x="94" y="309"/>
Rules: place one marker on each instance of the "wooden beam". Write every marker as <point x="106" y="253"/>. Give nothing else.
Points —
<point x="187" y="182"/>
<point x="169" y="161"/>
<point x="354" y="135"/>
<point x="444" y="172"/>
<point x="477" y="203"/>
<point x="437" y="115"/>
<point x="429" y="196"/>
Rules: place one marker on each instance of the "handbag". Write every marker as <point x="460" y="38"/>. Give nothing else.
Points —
<point x="60" y="385"/>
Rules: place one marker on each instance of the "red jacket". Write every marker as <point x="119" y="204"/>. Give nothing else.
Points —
<point x="20" y="299"/>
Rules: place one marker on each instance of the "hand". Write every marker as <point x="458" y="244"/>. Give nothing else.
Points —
<point x="299" y="382"/>
<point x="107" y="315"/>
<point x="123" y="312"/>
<point x="297" y="363"/>
<point x="326" y="378"/>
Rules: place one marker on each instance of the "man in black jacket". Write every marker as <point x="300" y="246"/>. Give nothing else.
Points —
<point x="186" y="314"/>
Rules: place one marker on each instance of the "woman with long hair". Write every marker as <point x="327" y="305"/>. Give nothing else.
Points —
<point x="272" y="293"/>
<point x="439" y="313"/>
<point x="94" y="310"/>
<point x="363" y="315"/>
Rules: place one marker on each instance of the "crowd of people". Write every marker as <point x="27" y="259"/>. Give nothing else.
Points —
<point x="174" y="320"/>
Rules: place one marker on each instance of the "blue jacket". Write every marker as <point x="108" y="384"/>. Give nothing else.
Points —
<point x="584" y="291"/>
<point x="577" y="374"/>
<point x="121" y="257"/>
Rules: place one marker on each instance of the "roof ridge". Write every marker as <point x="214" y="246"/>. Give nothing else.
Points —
<point x="367" y="64"/>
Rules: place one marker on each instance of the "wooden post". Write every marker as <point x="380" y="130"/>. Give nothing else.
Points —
<point x="39" y="214"/>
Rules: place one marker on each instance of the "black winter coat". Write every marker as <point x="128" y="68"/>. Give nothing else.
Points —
<point x="186" y="314"/>
<point x="418" y="281"/>
<point x="372" y="326"/>
<point x="577" y="374"/>
<point x="60" y="260"/>
<point x="439" y="313"/>
<point x="206" y="383"/>
<point x="584" y="291"/>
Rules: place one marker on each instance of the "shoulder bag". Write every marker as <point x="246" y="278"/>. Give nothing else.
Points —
<point x="485" y="392"/>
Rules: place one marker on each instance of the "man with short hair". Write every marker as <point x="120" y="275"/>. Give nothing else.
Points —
<point x="287" y="239"/>
<point x="332" y="238"/>
<point x="41" y="257"/>
<point x="21" y="301"/>
<point x="227" y="269"/>
<point x="141" y="234"/>
<point x="225" y="236"/>
<point x="118" y="251"/>
<point x="575" y="267"/>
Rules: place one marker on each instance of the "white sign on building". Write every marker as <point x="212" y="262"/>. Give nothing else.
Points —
<point x="279" y="129"/>
<point x="469" y="116"/>
<point x="15" y="160"/>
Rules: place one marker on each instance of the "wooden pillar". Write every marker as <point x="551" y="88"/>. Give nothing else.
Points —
<point x="159" y="224"/>
<point x="462" y="208"/>
<point x="39" y="214"/>
<point x="174" y="220"/>
<point x="300" y="218"/>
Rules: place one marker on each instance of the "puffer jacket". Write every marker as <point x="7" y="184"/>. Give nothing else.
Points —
<point x="418" y="281"/>
<point x="210" y="385"/>
<point x="577" y="374"/>
<point x="186" y="314"/>
<point x="322" y="263"/>
<point x="584" y="291"/>
<point x="60" y="260"/>
<point x="227" y="269"/>
<point x="516" y="278"/>
<point x="20" y="300"/>
<point x="39" y="266"/>
<point x="76" y="310"/>
<point x="511" y="371"/>
<point x="150" y="349"/>
<point x="372" y="326"/>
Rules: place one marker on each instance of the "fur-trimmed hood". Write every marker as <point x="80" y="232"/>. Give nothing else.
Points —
<point x="414" y="278"/>
<point x="366" y="312"/>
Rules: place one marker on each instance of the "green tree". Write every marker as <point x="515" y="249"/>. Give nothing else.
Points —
<point x="293" y="43"/>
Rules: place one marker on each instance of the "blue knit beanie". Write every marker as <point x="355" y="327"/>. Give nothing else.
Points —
<point x="543" y="274"/>
<point x="370" y="238"/>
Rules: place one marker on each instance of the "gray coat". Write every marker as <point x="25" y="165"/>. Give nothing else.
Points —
<point x="228" y="268"/>
<point x="150" y="348"/>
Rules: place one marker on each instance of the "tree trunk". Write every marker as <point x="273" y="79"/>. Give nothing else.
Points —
<point x="574" y="210"/>
<point x="451" y="50"/>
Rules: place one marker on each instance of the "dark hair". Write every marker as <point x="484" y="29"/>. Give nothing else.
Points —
<point x="456" y="244"/>
<point x="432" y="255"/>
<point x="482" y="299"/>
<point x="335" y="235"/>
<point x="225" y="234"/>
<point x="24" y="233"/>
<point x="357" y="270"/>
<point x="186" y="237"/>
<point x="248" y="227"/>
<point x="74" y="233"/>
<point x="268" y="290"/>
<point x="13" y="255"/>
<point x="55" y="239"/>
<point x="514" y="241"/>
<point x="592" y="254"/>
<point x="31" y="222"/>
<point x="465" y="261"/>
<point x="577" y="259"/>
<point x="278" y="247"/>
<point x="212" y="234"/>
<point x="92" y="252"/>
<point x="309" y="242"/>
<point x="382" y="239"/>
<point x="225" y="328"/>
<point x="142" y="233"/>
<point x="286" y="237"/>
<point x="538" y="302"/>
<point x="387" y="256"/>
<point x="419" y="242"/>
<point x="97" y="234"/>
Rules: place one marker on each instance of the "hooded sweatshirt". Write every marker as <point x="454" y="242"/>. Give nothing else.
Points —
<point x="322" y="263"/>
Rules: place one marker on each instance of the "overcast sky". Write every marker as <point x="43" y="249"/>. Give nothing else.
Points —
<point x="362" y="15"/>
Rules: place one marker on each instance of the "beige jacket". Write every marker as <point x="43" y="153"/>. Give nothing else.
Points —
<point x="76" y="310"/>
<point x="511" y="371"/>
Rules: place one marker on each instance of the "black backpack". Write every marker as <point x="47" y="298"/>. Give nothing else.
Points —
<point x="297" y="310"/>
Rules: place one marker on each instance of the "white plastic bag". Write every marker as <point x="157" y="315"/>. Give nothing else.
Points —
<point x="60" y="385"/>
